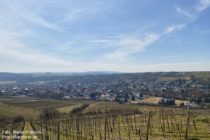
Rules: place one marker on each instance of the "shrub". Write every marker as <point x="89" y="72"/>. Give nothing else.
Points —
<point x="48" y="114"/>
<point x="18" y="119"/>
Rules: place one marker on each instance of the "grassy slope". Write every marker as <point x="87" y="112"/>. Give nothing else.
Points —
<point x="107" y="106"/>
<point x="12" y="111"/>
<point x="31" y="108"/>
<point x="67" y="109"/>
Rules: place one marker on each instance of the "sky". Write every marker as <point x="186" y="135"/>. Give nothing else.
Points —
<point x="104" y="35"/>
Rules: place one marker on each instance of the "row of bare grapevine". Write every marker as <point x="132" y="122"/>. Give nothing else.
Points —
<point x="164" y="123"/>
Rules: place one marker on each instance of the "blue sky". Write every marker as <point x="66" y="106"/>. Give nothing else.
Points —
<point x="104" y="35"/>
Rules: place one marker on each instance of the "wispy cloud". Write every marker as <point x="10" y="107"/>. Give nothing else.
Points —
<point x="126" y="46"/>
<point x="18" y="52"/>
<point x="183" y="12"/>
<point x="129" y="45"/>
<point x="202" y="5"/>
<point x="18" y="21"/>
<point x="173" y="28"/>
<point x="71" y="36"/>
<point x="194" y="11"/>
<point x="119" y="48"/>
<point x="27" y="16"/>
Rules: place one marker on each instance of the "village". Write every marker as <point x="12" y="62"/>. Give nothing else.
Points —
<point x="126" y="90"/>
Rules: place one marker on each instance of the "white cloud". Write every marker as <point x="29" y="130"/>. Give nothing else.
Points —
<point x="202" y="5"/>
<point x="16" y="51"/>
<point x="46" y="14"/>
<point x="25" y="16"/>
<point x="126" y="46"/>
<point x="194" y="12"/>
<point x="17" y="22"/>
<point x="183" y="12"/>
<point x="30" y="60"/>
<point x="173" y="28"/>
<point x="129" y="45"/>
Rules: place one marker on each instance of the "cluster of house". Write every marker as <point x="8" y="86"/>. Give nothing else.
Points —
<point x="122" y="91"/>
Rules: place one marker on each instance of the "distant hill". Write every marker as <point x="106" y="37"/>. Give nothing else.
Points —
<point x="22" y="78"/>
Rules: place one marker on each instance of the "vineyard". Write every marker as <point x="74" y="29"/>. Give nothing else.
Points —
<point x="165" y="123"/>
<point x="11" y="131"/>
<point x="87" y="120"/>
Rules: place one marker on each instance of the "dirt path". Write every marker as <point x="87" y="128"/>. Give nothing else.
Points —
<point x="29" y="134"/>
